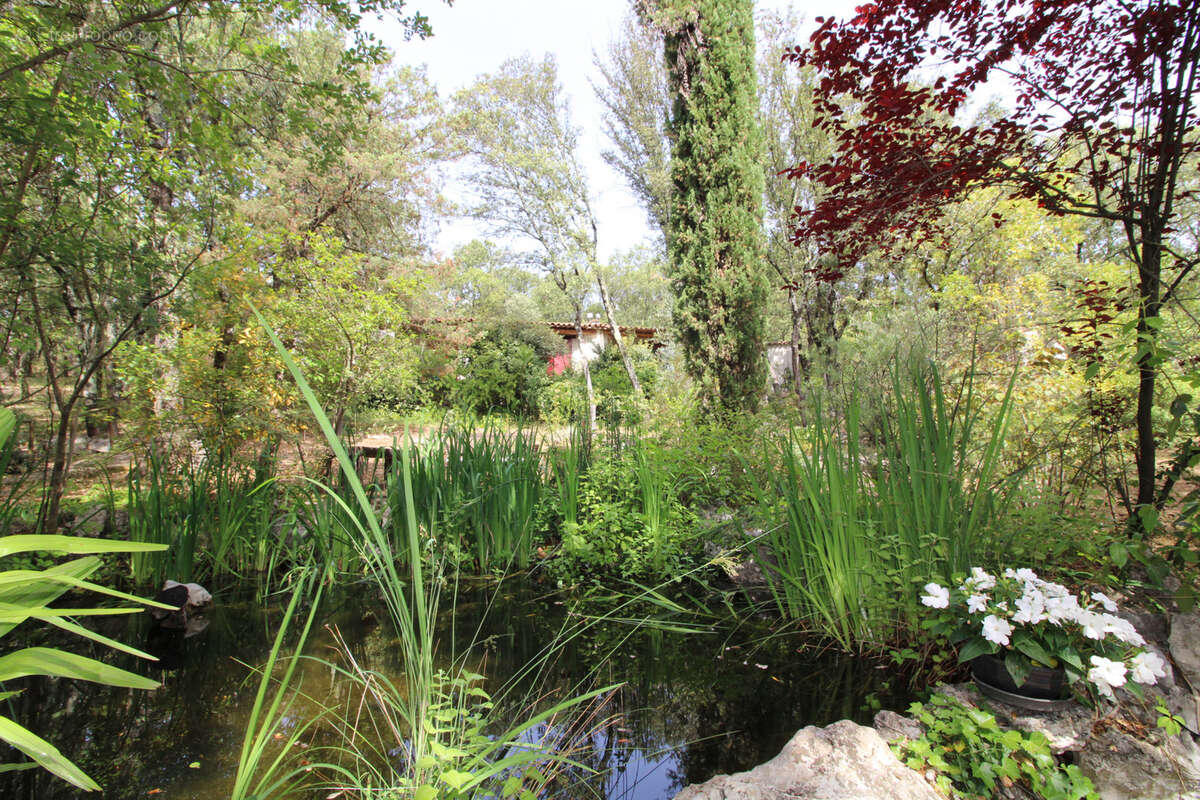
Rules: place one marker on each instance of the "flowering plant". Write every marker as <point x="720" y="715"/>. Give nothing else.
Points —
<point x="1033" y="622"/>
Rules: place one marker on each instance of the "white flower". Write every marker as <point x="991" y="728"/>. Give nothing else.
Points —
<point x="980" y="579"/>
<point x="1105" y="600"/>
<point x="1106" y="674"/>
<point x="1024" y="575"/>
<point x="936" y="596"/>
<point x="1123" y="629"/>
<point x="1031" y="607"/>
<point x="1093" y="624"/>
<point x="996" y="630"/>
<point x="1060" y="608"/>
<point x="1148" y="668"/>
<point x="976" y="603"/>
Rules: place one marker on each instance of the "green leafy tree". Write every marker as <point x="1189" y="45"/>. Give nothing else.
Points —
<point x="714" y="233"/>
<point x="127" y="134"/>
<point x="529" y="183"/>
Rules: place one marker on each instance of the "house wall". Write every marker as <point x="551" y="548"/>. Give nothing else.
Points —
<point x="779" y="365"/>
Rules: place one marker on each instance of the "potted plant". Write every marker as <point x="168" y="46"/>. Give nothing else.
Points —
<point x="1029" y="640"/>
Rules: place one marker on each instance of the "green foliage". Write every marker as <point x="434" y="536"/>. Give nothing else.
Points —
<point x="616" y="404"/>
<point x="827" y="553"/>
<point x="479" y="492"/>
<point x="504" y="369"/>
<point x="630" y="520"/>
<point x="27" y="594"/>
<point x="714" y="231"/>
<point x="855" y="540"/>
<point x="213" y="517"/>
<point x="435" y="719"/>
<point x="975" y="758"/>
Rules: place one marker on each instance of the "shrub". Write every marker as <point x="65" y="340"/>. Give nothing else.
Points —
<point x="630" y="521"/>
<point x="504" y="368"/>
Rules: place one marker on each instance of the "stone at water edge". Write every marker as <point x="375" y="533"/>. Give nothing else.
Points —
<point x="1185" y="645"/>
<point x="843" y="761"/>
<point x="197" y="595"/>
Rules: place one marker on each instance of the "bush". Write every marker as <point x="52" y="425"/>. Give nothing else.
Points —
<point x="630" y="521"/>
<point x="504" y="368"/>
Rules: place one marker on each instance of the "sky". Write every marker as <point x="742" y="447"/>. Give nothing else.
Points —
<point x="474" y="37"/>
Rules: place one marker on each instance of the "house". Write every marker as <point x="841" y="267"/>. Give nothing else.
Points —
<point x="596" y="337"/>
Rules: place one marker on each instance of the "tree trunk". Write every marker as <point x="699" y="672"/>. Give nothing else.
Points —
<point x="798" y="368"/>
<point x="606" y="301"/>
<point x="587" y="372"/>
<point x="1149" y="294"/>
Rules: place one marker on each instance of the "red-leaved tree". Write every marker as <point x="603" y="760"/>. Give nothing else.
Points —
<point x="1102" y="126"/>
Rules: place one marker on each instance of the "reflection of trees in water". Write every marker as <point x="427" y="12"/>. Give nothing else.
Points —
<point x="687" y="709"/>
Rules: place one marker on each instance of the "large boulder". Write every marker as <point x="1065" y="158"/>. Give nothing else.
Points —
<point x="843" y="761"/>
<point x="1185" y="645"/>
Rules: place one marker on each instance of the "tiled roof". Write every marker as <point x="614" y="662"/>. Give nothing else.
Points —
<point x="640" y="330"/>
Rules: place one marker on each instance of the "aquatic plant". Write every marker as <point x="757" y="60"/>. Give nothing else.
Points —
<point x="825" y="558"/>
<point x="27" y="594"/>
<point x="479" y="489"/>
<point x="857" y="539"/>
<point x="439" y="759"/>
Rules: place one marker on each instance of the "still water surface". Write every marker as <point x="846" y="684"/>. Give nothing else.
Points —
<point x="692" y="705"/>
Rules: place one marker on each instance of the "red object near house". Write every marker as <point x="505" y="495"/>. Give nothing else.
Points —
<point x="558" y="364"/>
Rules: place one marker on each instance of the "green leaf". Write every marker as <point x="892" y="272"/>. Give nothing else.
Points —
<point x="456" y="779"/>
<point x="57" y="663"/>
<point x="74" y="545"/>
<point x="1091" y="370"/>
<point x="1118" y="554"/>
<point x="425" y="792"/>
<point x="974" y="649"/>
<point x="1033" y="648"/>
<point x="45" y="754"/>
<point x="1018" y="667"/>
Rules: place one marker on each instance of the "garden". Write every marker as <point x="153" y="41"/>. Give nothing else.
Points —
<point x="880" y="446"/>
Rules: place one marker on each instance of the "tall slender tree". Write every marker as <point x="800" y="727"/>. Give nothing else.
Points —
<point x="714" y="226"/>
<point x="530" y="185"/>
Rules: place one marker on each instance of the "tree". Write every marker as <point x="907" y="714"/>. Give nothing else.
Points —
<point x="714" y="221"/>
<point x="633" y="88"/>
<point x="124" y="140"/>
<point x="1102" y="127"/>
<point x="787" y="108"/>
<point x="529" y="183"/>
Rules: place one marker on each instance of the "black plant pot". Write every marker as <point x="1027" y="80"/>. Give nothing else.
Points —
<point x="1045" y="689"/>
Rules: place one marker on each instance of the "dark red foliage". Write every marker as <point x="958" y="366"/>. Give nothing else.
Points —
<point x="1102" y="108"/>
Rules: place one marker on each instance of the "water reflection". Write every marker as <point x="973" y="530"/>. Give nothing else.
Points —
<point x="691" y="705"/>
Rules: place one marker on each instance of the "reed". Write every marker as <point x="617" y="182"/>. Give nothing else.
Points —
<point x="478" y="488"/>
<point x="937" y="485"/>
<point x="431" y="730"/>
<point x="824" y="556"/>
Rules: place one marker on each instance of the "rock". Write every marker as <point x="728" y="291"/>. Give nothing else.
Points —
<point x="1185" y="645"/>
<point x="197" y="595"/>
<point x="1125" y="767"/>
<point x="1122" y="752"/>
<point x="843" y="761"/>
<point x="187" y="599"/>
<point x="176" y="596"/>
<point x="893" y="727"/>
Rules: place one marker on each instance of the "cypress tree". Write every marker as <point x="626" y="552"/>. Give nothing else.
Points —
<point x="714" y="228"/>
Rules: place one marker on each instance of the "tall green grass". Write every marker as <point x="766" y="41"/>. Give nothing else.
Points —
<point x="825" y="549"/>
<point x="937" y="487"/>
<point x="215" y="516"/>
<point x="858" y="534"/>
<point x="477" y="489"/>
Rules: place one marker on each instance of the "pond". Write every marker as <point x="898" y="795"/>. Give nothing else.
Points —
<point x="692" y="705"/>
